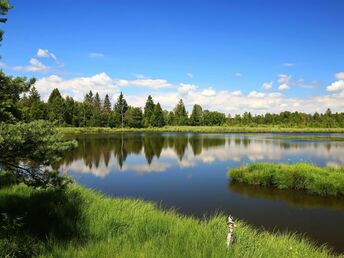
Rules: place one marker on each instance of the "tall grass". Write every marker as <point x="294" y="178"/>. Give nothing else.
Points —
<point x="82" y="223"/>
<point x="197" y="129"/>
<point x="325" y="181"/>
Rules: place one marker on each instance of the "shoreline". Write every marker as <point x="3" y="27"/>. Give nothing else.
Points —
<point x="93" y="224"/>
<point x="196" y="129"/>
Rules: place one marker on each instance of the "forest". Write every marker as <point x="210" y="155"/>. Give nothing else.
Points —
<point x="96" y="112"/>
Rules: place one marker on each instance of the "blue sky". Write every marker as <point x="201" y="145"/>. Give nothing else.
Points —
<point x="216" y="53"/>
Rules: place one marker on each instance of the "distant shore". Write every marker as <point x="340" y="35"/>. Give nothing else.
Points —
<point x="198" y="129"/>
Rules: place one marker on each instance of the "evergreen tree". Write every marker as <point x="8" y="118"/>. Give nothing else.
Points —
<point x="71" y="116"/>
<point x="36" y="106"/>
<point x="171" y="119"/>
<point x="107" y="104"/>
<point x="120" y="108"/>
<point x="134" y="117"/>
<point x="181" y="116"/>
<point x="56" y="107"/>
<point x="196" y="117"/>
<point x="106" y="112"/>
<point x="148" y="111"/>
<point x="10" y="91"/>
<point x="157" y="119"/>
<point x="96" y="111"/>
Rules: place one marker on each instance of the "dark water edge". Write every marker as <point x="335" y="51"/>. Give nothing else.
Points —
<point x="188" y="172"/>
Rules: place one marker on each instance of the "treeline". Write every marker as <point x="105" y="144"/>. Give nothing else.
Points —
<point x="96" y="112"/>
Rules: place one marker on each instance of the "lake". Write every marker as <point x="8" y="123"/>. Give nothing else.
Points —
<point x="188" y="172"/>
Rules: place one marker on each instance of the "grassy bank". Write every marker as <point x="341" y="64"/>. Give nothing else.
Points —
<point x="82" y="223"/>
<point x="198" y="129"/>
<point x="301" y="176"/>
<point x="308" y="138"/>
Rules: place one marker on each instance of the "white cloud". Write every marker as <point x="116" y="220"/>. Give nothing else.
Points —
<point x="78" y="87"/>
<point x="267" y="85"/>
<point x="284" y="86"/>
<point x="209" y="92"/>
<point x="335" y="86"/>
<point x="45" y="53"/>
<point x="237" y="74"/>
<point x="153" y="84"/>
<point x="288" y="64"/>
<point x="190" y="75"/>
<point x="286" y="81"/>
<point x="185" y="88"/>
<point x="34" y="66"/>
<point x="233" y="102"/>
<point x="340" y="76"/>
<point x="284" y="78"/>
<point x="95" y="55"/>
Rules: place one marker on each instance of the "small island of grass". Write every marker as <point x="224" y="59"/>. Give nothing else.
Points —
<point x="326" y="181"/>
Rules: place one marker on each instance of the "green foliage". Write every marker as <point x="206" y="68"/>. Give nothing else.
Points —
<point x="120" y="108"/>
<point x="28" y="149"/>
<point x="31" y="106"/>
<point x="10" y="90"/>
<point x="196" y="117"/>
<point x="157" y="119"/>
<point x="81" y="223"/>
<point x="198" y="129"/>
<point x="148" y="111"/>
<point x="213" y="118"/>
<point x="56" y="107"/>
<point x="134" y="117"/>
<point x="301" y="176"/>
<point x="181" y="116"/>
<point x="4" y="7"/>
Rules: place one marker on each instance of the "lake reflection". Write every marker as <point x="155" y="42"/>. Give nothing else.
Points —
<point x="188" y="172"/>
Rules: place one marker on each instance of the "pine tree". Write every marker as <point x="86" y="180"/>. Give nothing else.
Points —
<point x="96" y="111"/>
<point x="148" y="111"/>
<point x="157" y="119"/>
<point x="106" y="112"/>
<point x="56" y="108"/>
<point x="196" y="117"/>
<point x="134" y="117"/>
<point x="180" y="113"/>
<point x="120" y="108"/>
<point x="171" y="119"/>
<point x="106" y="105"/>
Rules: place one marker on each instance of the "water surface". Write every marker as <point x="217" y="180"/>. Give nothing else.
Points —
<point x="188" y="171"/>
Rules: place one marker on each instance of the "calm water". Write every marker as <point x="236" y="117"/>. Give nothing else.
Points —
<point x="189" y="172"/>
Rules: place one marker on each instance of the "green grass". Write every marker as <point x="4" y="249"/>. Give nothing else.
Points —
<point x="305" y="137"/>
<point x="198" y="129"/>
<point x="325" y="181"/>
<point x="82" y="223"/>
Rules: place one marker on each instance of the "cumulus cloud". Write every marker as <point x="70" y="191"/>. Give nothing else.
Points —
<point x="226" y="101"/>
<point x="209" y="92"/>
<point x="237" y="74"/>
<point x="267" y="85"/>
<point x="288" y="64"/>
<point x="45" y="53"/>
<point x="95" y="55"/>
<point x="190" y="75"/>
<point x="33" y="66"/>
<point x="336" y="86"/>
<point x="77" y="87"/>
<point x="153" y="84"/>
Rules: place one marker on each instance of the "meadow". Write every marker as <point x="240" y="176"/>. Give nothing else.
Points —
<point x="79" y="222"/>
